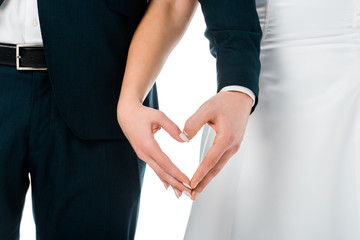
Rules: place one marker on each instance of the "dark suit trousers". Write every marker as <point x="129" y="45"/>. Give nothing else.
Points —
<point x="81" y="189"/>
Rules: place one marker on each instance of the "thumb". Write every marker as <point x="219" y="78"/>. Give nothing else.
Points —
<point x="170" y="127"/>
<point x="195" y="122"/>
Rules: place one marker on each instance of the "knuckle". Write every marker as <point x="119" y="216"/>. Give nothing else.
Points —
<point x="212" y="165"/>
<point x="172" y="127"/>
<point x="188" y="125"/>
<point x="161" y="114"/>
<point x="232" y="139"/>
<point x="146" y="146"/>
<point x="205" y="104"/>
<point x="209" y="104"/>
<point x="236" y="146"/>
<point x="215" y="171"/>
<point x="162" y="176"/>
<point x="140" y="155"/>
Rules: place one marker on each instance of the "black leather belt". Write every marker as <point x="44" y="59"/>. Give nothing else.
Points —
<point x="23" y="56"/>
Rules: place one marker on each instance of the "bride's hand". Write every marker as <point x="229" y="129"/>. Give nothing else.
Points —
<point x="139" y="124"/>
<point x="160" y="29"/>
<point x="227" y="113"/>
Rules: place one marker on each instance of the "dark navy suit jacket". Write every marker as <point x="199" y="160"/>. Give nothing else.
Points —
<point x="86" y="44"/>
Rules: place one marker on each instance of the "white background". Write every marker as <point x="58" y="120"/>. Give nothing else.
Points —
<point x="187" y="80"/>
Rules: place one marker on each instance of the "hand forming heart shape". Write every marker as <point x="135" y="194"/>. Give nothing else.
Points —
<point x="226" y="112"/>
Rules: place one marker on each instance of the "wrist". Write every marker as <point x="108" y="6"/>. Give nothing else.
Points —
<point x="128" y="101"/>
<point x="240" y="97"/>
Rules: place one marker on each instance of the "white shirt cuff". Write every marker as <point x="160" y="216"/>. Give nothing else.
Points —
<point x="240" y="89"/>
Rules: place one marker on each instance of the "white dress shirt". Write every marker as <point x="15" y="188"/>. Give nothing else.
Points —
<point x="19" y="23"/>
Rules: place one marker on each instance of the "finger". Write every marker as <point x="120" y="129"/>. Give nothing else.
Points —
<point x="196" y="121"/>
<point x="177" y="192"/>
<point x="212" y="173"/>
<point x="166" y="178"/>
<point x="170" y="127"/>
<point x="150" y="148"/>
<point x="166" y="164"/>
<point x="166" y="184"/>
<point x="216" y="151"/>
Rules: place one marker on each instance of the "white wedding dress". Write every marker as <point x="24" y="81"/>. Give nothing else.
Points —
<point x="297" y="173"/>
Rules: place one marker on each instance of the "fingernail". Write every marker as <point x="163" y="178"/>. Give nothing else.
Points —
<point x="193" y="186"/>
<point x="187" y="194"/>
<point x="186" y="134"/>
<point x="184" y="137"/>
<point x="194" y="196"/>
<point x="166" y="187"/>
<point x="186" y="185"/>
<point x="177" y="194"/>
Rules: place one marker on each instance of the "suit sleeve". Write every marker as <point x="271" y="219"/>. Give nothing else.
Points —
<point x="234" y="33"/>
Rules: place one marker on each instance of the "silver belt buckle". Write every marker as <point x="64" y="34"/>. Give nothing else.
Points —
<point x="18" y="67"/>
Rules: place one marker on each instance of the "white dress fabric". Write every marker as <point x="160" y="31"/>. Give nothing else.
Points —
<point x="297" y="173"/>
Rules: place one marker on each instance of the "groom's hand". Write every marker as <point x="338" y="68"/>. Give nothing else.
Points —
<point x="139" y="124"/>
<point x="227" y="113"/>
